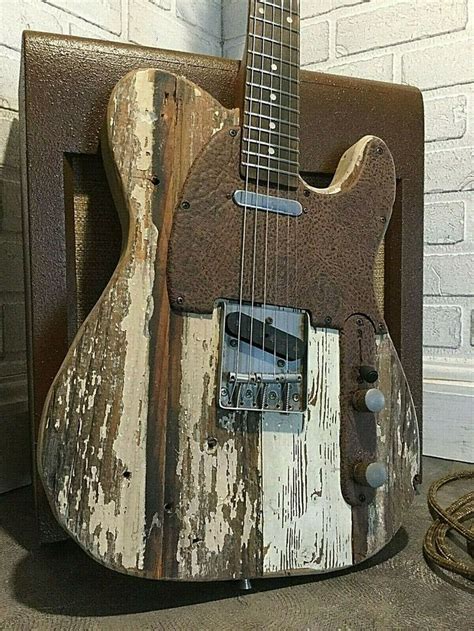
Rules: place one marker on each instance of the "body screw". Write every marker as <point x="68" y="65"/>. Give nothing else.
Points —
<point x="328" y="320"/>
<point x="233" y="133"/>
<point x="379" y="150"/>
<point x="280" y="363"/>
<point x="179" y="300"/>
<point x="185" y="205"/>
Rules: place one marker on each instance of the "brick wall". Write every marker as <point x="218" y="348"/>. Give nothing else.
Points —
<point x="429" y="44"/>
<point x="179" y="24"/>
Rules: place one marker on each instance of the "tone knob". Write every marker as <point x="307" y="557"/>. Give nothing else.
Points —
<point x="374" y="474"/>
<point x="371" y="400"/>
<point x="368" y="373"/>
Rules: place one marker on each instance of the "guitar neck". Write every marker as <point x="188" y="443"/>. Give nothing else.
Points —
<point x="270" y="145"/>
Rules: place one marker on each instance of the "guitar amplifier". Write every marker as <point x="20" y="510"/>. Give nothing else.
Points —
<point x="71" y="230"/>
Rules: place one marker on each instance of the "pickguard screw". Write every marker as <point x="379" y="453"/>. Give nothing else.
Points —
<point x="305" y="209"/>
<point x="185" y="205"/>
<point x="383" y="219"/>
<point x="229" y="195"/>
<point x="361" y="498"/>
<point x="269" y="320"/>
<point x="328" y="320"/>
<point x="381" y="327"/>
<point x="359" y="322"/>
<point x="306" y="193"/>
<point x="223" y="392"/>
<point x="179" y="300"/>
<point x="168" y="508"/>
<point x="233" y="133"/>
<point x="379" y="150"/>
<point x="155" y="180"/>
<point x="280" y="363"/>
<point x="296" y="397"/>
<point x="233" y="343"/>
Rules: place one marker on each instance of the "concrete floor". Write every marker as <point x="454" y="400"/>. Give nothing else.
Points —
<point x="58" y="587"/>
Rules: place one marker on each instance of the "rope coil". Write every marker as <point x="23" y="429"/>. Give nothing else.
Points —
<point x="452" y="518"/>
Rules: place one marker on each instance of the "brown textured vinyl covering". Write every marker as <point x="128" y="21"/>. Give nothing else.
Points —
<point x="66" y="82"/>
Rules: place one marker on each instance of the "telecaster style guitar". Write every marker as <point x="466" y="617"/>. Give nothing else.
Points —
<point x="233" y="406"/>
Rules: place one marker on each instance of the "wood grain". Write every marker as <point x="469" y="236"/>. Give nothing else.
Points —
<point x="140" y="466"/>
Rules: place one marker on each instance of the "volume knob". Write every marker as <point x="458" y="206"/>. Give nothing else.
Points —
<point x="371" y="400"/>
<point x="373" y="474"/>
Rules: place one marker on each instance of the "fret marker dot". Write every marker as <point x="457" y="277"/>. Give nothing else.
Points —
<point x="272" y="126"/>
<point x="271" y="151"/>
<point x="273" y="97"/>
<point x="261" y="10"/>
<point x="274" y="67"/>
<point x="289" y="20"/>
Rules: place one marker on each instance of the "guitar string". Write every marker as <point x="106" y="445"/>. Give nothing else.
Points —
<point x="288" y="221"/>
<point x="279" y="123"/>
<point x="264" y="28"/>
<point x="295" y="81"/>
<point x="250" y="53"/>
<point x="255" y="226"/>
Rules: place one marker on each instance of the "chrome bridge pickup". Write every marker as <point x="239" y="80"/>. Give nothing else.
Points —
<point x="263" y="358"/>
<point x="264" y="336"/>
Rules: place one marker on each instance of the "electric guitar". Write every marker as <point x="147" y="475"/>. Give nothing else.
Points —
<point x="233" y="406"/>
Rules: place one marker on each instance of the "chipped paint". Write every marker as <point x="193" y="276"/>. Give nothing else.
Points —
<point x="307" y="525"/>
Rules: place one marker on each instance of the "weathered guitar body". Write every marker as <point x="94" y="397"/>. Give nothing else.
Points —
<point x="139" y="466"/>
<point x="233" y="406"/>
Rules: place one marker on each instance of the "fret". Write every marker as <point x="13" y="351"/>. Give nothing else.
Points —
<point x="272" y="104"/>
<point x="275" y="59"/>
<point x="271" y="132"/>
<point x="272" y="74"/>
<point x="275" y="146"/>
<point x="273" y="90"/>
<point x="267" y="3"/>
<point x="274" y="41"/>
<point x="271" y="118"/>
<point x="269" y="158"/>
<point x="266" y="168"/>
<point x="274" y="25"/>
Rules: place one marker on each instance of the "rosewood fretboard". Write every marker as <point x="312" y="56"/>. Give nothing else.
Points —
<point x="270" y="145"/>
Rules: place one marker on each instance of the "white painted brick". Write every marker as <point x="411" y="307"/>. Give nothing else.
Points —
<point x="234" y="18"/>
<point x="151" y="26"/>
<point x="376" y="68"/>
<point x="14" y="328"/>
<point x="9" y="77"/>
<point x="444" y="223"/>
<point x="10" y="205"/>
<point x="309" y="8"/>
<point x="19" y="15"/>
<point x="314" y="43"/>
<point x="402" y="22"/>
<point x="449" y="170"/>
<point x="442" y="326"/>
<point x="235" y="48"/>
<point x="206" y="14"/>
<point x="104" y="13"/>
<point x="84" y="29"/>
<point x="445" y="118"/>
<point x="439" y="66"/>
<point x="449" y="275"/>
<point x="9" y="138"/>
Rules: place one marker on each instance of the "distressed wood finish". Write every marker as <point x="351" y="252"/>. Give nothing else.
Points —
<point x="140" y="466"/>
